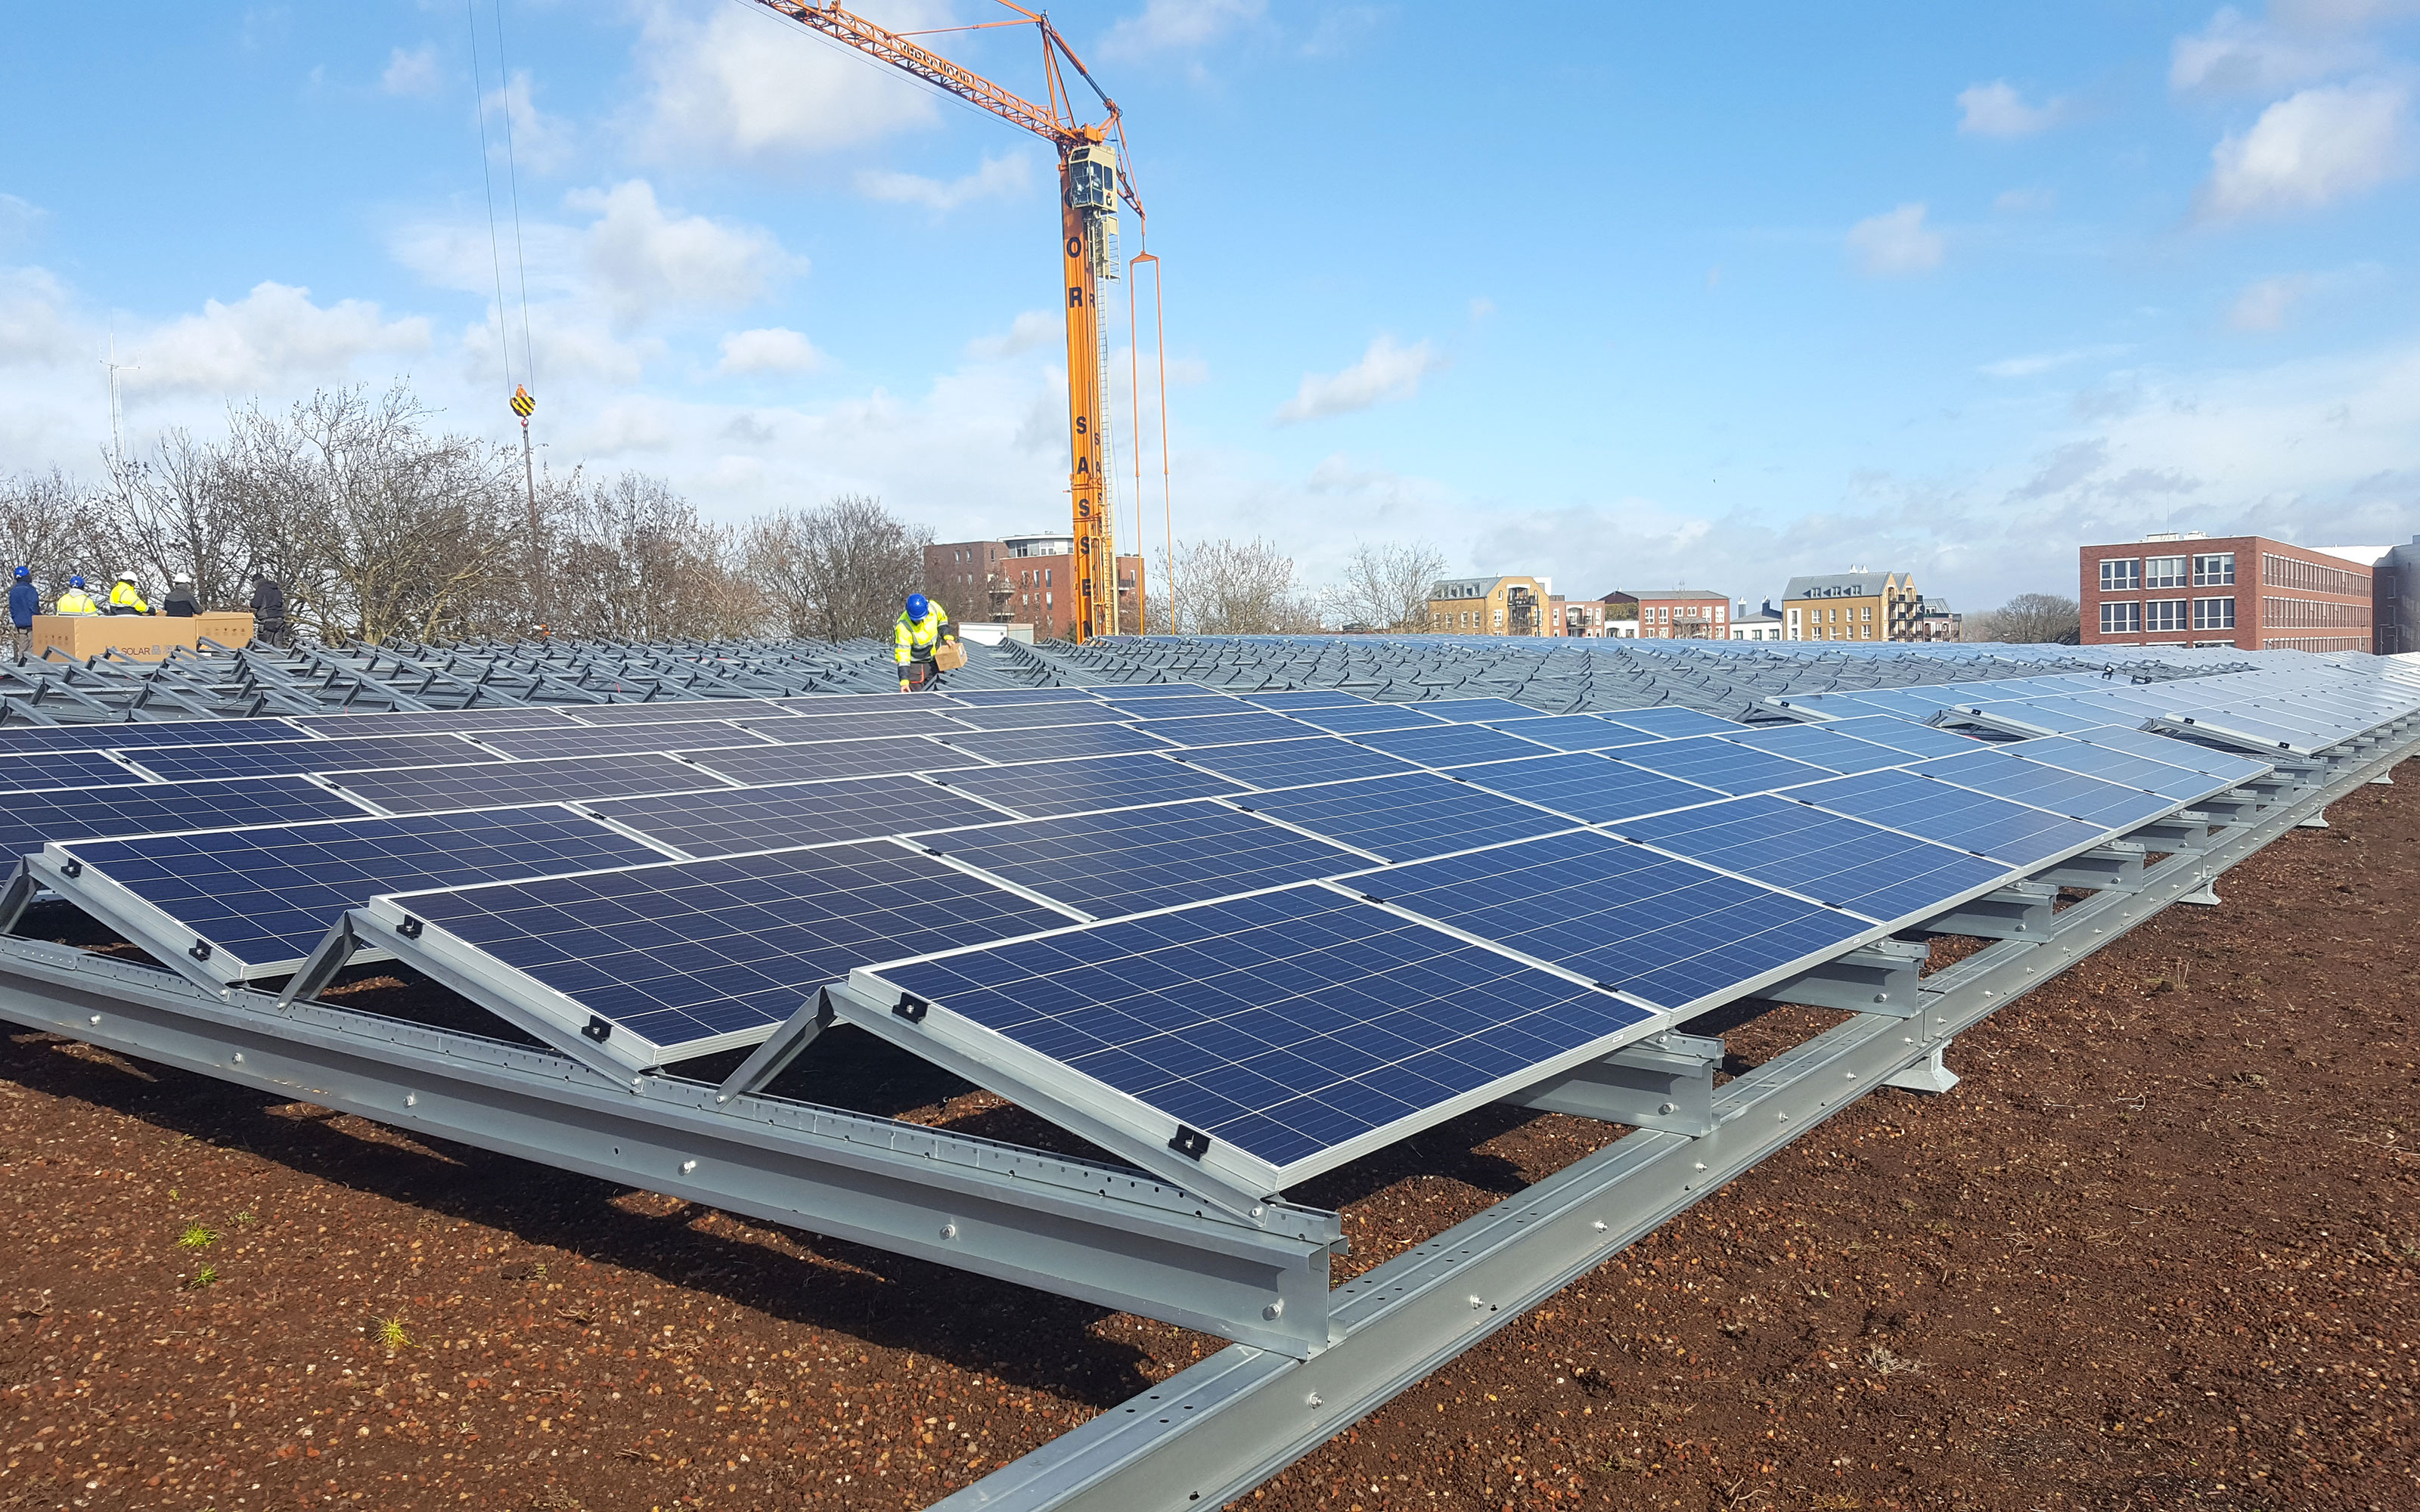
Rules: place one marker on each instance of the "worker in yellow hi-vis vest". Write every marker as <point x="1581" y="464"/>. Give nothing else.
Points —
<point x="916" y="636"/>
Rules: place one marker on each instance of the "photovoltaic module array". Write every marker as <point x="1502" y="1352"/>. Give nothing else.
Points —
<point x="1265" y="930"/>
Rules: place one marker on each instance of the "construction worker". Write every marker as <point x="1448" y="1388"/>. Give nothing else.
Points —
<point x="25" y="602"/>
<point x="268" y="611"/>
<point x="914" y="639"/>
<point x="75" y="600"/>
<point x="124" y="599"/>
<point x="181" y="603"/>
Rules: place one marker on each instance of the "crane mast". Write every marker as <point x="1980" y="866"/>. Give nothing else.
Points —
<point x="1091" y="186"/>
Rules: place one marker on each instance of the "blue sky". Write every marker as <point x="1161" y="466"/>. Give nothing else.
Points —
<point x="1622" y="294"/>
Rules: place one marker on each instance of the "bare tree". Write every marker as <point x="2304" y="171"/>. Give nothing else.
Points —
<point x="1234" y="588"/>
<point x="2029" y="618"/>
<point x="839" y="572"/>
<point x="635" y="562"/>
<point x="48" y="523"/>
<point x="177" y="511"/>
<point x="1387" y="586"/>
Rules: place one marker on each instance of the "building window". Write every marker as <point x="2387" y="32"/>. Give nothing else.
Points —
<point x="2213" y="613"/>
<point x="2164" y="572"/>
<point x="2164" y="614"/>
<point x="2121" y="619"/>
<point x="2215" y="569"/>
<point x="2119" y="574"/>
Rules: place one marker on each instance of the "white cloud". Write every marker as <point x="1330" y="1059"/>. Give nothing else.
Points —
<point x="1895" y="242"/>
<point x="272" y="339"/>
<point x="1481" y="308"/>
<point x="18" y="219"/>
<point x="742" y="82"/>
<point x="412" y="73"/>
<point x="34" y="324"/>
<point x="646" y="262"/>
<point x="539" y="143"/>
<point x="2236" y="55"/>
<point x="2023" y="201"/>
<point x="2264" y="306"/>
<point x="2309" y="150"/>
<point x="1997" y="109"/>
<point x="770" y="349"/>
<point x="2032" y="363"/>
<point x="1001" y="177"/>
<point x="1387" y="371"/>
<point x="1174" y="25"/>
<point x="1024" y="333"/>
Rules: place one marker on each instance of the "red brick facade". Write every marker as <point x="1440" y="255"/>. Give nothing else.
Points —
<point x="979" y="580"/>
<point x="2242" y="591"/>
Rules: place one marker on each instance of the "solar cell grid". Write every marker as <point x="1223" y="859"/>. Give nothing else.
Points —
<point x="686" y="954"/>
<point x="1038" y="788"/>
<point x="62" y="769"/>
<point x="2072" y="755"/>
<point x="428" y="721"/>
<point x="1306" y="697"/>
<point x="118" y="736"/>
<point x="729" y="821"/>
<point x="1063" y="742"/>
<point x="864" y="703"/>
<point x="1038" y="715"/>
<point x="28" y="820"/>
<point x="1671" y="932"/>
<point x="494" y="784"/>
<point x="1718" y="764"/>
<point x="1406" y="818"/>
<point x="1585" y="786"/>
<point x="755" y="765"/>
<point x="640" y="735"/>
<point x="1223" y="729"/>
<point x="1836" y="860"/>
<point x="1571" y="732"/>
<point x="679" y="710"/>
<point x="2110" y="805"/>
<point x="1899" y="735"/>
<point x="2010" y="832"/>
<point x="799" y="729"/>
<point x="1454" y="745"/>
<point x="1286" y="763"/>
<point x="1819" y="746"/>
<point x="1670" y="722"/>
<point x="992" y="698"/>
<point x="2185" y="754"/>
<point x="179" y="763"/>
<point x="1140" y="859"/>
<point x="1296" y="1028"/>
<point x="1360" y="719"/>
<point x="1470" y="711"/>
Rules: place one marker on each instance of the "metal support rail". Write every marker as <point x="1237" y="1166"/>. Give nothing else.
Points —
<point x="1213" y="1432"/>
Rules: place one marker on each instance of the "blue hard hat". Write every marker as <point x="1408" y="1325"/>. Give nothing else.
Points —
<point x="75" y="582"/>
<point x="25" y="572"/>
<point x="917" y="606"/>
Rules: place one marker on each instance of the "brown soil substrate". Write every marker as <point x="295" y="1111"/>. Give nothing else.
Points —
<point x="2159" y="1249"/>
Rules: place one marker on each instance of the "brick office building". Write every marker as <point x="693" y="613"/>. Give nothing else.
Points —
<point x="1674" y="614"/>
<point x="1025" y="580"/>
<point x="2242" y="591"/>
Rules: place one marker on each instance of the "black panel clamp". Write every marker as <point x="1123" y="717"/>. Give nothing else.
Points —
<point x="74" y="869"/>
<point x="1191" y="1143"/>
<point x="409" y="929"/>
<point x="597" y="1029"/>
<point x="201" y="951"/>
<point x="911" y="1008"/>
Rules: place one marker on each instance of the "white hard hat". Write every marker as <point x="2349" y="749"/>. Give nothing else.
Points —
<point x="182" y="578"/>
<point x="126" y="577"/>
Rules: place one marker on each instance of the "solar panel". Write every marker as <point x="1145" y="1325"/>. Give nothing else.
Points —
<point x="1043" y="788"/>
<point x="678" y="710"/>
<point x="639" y="735"/>
<point x="1224" y="729"/>
<point x="1139" y="858"/>
<point x="1899" y="735"/>
<point x="2188" y="754"/>
<point x="2019" y="781"/>
<point x="1586" y="787"/>
<point x="1155" y="690"/>
<point x="496" y="784"/>
<point x="1670" y="722"/>
<point x="1360" y="719"/>
<point x="867" y="703"/>
<point x="1054" y="745"/>
<point x="1834" y="860"/>
<point x="1295" y="1029"/>
<point x="1142" y="708"/>
<point x="119" y="735"/>
<point x="431" y="722"/>
<point x="991" y="698"/>
<point x="1452" y="745"/>
<point x="1406" y="818"/>
<point x="1039" y="716"/>
<point x="186" y="762"/>
<point x="754" y="766"/>
<point x="693" y="956"/>
<point x="1286" y="763"/>
<point x="1971" y="820"/>
<point x="263" y="897"/>
<point x="1571" y="732"/>
<point x="1307" y="697"/>
<point x="1470" y="711"/>
<point x="1820" y="746"/>
<point x="2071" y="755"/>
<point x="1669" y="931"/>
<point x="727" y="822"/>
<point x="62" y="769"/>
<point x="27" y="820"/>
<point x="1719" y="764"/>
<point x="796" y="729"/>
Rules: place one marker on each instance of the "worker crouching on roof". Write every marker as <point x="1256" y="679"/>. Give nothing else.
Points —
<point x="75" y="600"/>
<point x="25" y="602"/>
<point x="124" y="598"/>
<point x="915" y="636"/>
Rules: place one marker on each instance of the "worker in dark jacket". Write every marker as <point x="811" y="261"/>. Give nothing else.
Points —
<point x="25" y="602"/>
<point x="180" y="602"/>
<point x="268" y="610"/>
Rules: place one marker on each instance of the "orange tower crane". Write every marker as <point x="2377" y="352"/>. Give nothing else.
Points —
<point x="1090" y="187"/>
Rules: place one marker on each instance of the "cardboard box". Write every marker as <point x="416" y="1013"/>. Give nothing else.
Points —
<point x="228" y="627"/>
<point x="949" y="655"/>
<point x="81" y="636"/>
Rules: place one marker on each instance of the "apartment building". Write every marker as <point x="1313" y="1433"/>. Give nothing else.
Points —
<point x="2184" y="588"/>
<point x="1674" y="614"/>
<point x="1756" y="623"/>
<point x="1024" y="579"/>
<point x="1492" y="606"/>
<point x="1855" y="605"/>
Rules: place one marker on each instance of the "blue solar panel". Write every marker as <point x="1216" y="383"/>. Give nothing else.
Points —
<point x="1287" y="763"/>
<point x="1142" y="708"/>
<point x="1307" y="697"/>
<point x="2184" y="754"/>
<point x="1298" y="1028"/>
<point x="1038" y="715"/>
<point x="2071" y="755"/>
<point x="876" y="703"/>
<point x="1834" y="860"/>
<point x="1470" y="711"/>
<point x="753" y="765"/>
<point x="123" y="736"/>
<point x="1719" y="764"/>
<point x="264" y="897"/>
<point x="430" y="721"/>
<point x="2019" y="781"/>
<point x="1972" y="821"/>
<point x="1818" y="746"/>
<point x="62" y="769"/>
<point x="1899" y="735"/>
<point x="1224" y="729"/>
<point x="1670" y="722"/>
<point x="1571" y="732"/>
<point x="1454" y="745"/>
<point x="639" y="735"/>
<point x="1406" y="818"/>
<point x="678" y="710"/>
<point x="691" y="951"/>
<point x="1360" y="719"/>
<point x="495" y="784"/>
<point x="795" y="729"/>
<point x="1060" y="744"/>
<point x="1139" y="858"/>
<point x="1042" y="788"/>
<point x="727" y="822"/>
<point x="1665" y="931"/>
<point x="27" y="820"/>
<point x="993" y="698"/>
<point x="186" y="762"/>
<point x="1586" y="787"/>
